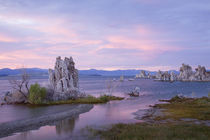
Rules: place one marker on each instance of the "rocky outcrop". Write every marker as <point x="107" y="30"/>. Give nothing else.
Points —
<point x="200" y="74"/>
<point x="165" y="76"/>
<point x="150" y="76"/>
<point x="186" y="74"/>
<point x="135" y="92"/>
<point x="173" y="76"/>
<point x="142" y="74"/>
<point x="14" y="98"/>
<point x="64" y="79"/>
<point x="158" y="75"/>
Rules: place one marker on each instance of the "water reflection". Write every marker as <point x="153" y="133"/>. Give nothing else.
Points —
<point x="103" y="114"/>
<point x="24" y="135"/>
<point x="66" y="126"/>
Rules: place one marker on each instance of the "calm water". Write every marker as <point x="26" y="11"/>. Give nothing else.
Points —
<point x="100" y="115"/>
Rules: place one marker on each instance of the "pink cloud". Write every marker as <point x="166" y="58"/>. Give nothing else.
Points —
<point x="26" y="58"/>
<point x="145" y="31"/>
<point x="143" y="42"/>
<point x="5" y="38"/>
<point x="57" y="31"/>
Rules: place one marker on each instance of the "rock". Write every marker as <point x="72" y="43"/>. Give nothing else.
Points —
<point x="185" y="72"/>
<point x="173" y="76"/>
<point x="201" y="74"/>
<point x="150" y="76"/>
<point x="166" y="76"/>
<point x="135" y="92"/>
<point x="64" y="79"/>
<point x="142" y="74"/>
<point x="158" y="76"/>
<point x="14" y="98"/>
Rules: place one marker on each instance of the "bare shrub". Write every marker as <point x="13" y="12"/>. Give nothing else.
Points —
<point x="21" y="85"/>
<point x="110" y="86"/>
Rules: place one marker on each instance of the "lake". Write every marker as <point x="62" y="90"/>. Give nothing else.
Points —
<point x="103" y="114"/>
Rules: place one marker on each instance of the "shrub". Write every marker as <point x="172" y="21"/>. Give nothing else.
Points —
<point x="37" y="94"/>
<point x="104" y="98"/>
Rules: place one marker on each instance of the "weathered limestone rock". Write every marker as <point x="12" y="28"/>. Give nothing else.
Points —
<point x="64" y="78"/>
<point x="200" y="74"/>
<point x="185" y="72"/>
<point x="14" y="98"/>
<point x="166" y="76"/>
<point x="173" y="76"/>
<point x="158" y="76"/>
<point x="142" y="74"/>
<point x="135" y="92"/>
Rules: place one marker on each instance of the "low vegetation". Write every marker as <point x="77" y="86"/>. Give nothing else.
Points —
<point x="87" y="100"/>
<point x="37" y="94"/>
<point x="145" y="131"/>
<point x="182" y="107"/>
<point x="175" y="109"/>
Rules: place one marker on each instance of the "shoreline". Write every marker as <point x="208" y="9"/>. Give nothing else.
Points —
<point x="8" y="128"/>
<point x="151" y="115"/>
<point x="177" y="118"/>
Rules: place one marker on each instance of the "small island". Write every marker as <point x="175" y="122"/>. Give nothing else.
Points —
<point x="63" y="88"/>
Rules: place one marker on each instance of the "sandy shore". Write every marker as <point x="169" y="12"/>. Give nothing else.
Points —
<point x="9" y="128"/>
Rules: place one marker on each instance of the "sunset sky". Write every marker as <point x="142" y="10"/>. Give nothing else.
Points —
<point x="105" y="34"/>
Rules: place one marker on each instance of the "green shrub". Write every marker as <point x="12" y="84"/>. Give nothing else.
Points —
<point x="104" y="98"/>
<point x="37" y="94"/>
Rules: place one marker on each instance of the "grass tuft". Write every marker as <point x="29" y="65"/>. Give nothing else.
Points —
<point x="182" y="107"/>
<point x="141" y="131"/>
<point x="86" y="100"/>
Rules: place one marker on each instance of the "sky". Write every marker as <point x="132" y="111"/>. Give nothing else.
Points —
<point x="105" y="34"/>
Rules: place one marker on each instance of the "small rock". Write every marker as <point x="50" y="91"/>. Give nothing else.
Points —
<point x="14" y="98"/>
<point x="135" y="92"/>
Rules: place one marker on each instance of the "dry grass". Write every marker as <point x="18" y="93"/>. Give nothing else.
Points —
<point x="86" y="100"/>
<point x="154" y="132"/>
<point x="177" y="108"/>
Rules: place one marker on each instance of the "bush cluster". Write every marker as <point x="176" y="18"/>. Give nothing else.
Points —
<point x="37" y="94"/>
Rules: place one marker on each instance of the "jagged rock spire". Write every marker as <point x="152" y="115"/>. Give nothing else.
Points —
<point x="64" y="77"/>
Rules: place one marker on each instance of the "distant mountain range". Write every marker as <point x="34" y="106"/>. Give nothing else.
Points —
<point x="109" y="73"/>
<point x="92" y="72"/>
<point x="31" y="71"/>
